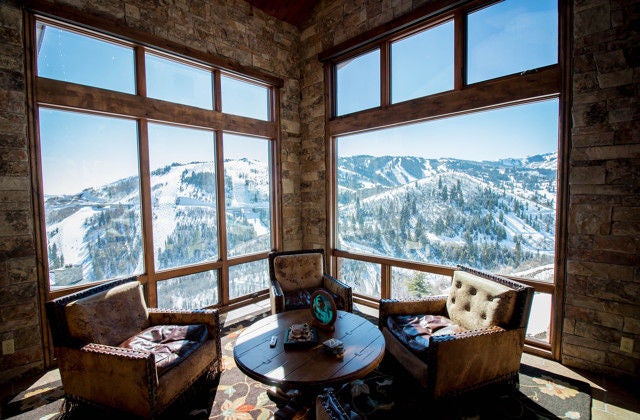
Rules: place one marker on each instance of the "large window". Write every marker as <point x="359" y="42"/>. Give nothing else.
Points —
<point x="141" y="174"/>
<point x="458" y="163"/>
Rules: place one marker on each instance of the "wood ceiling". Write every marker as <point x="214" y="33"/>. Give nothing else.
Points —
<point x="295" y="12"/>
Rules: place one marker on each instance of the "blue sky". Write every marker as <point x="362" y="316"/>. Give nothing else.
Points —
<point x="80" y="150"/>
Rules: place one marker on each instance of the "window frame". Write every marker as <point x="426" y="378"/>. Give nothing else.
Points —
<point x="530" y="86"/>
<point x="56" y="94"/>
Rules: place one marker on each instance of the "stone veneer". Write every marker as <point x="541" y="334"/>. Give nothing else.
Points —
<point x="604" y="206"/>
<point x="231" y="29"/>
<point x="603" y="280"/>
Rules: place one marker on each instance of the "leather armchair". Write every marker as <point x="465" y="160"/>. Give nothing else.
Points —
<point x="113" y="351"/>
<point x="295" y="275"/>
<point x="470" y="338"/>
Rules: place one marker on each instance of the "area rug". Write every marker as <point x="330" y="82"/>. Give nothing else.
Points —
<point x="387" y="393"/>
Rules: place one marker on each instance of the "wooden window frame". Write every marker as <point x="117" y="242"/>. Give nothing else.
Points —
<point x="534" y="85"/>
<point x="56" y="94"/>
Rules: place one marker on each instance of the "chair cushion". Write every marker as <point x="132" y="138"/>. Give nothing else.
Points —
<point x="301" y="299"/>
<point x="298" y="271"/>
<point x="475" y="302"/>
<point x="108" y="317"/>
<point x="170" y="344"/>
<point x="414" y="330"/>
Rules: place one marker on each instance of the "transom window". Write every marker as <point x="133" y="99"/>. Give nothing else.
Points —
<point x="444" y="148"/>
<point x="148" y="172"/>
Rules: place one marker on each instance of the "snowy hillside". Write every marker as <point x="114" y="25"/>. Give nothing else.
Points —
<point x="497" y="215"/>
<point x="97" y="233"/>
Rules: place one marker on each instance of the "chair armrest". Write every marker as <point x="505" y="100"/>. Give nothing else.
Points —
<point x="86" y="370"/>
<point x="209" y="317"/>
<point x="466" y="360"/>
<point x="341" y="289"/>
<point x="433" y="305"/>
<point x="276" y="296"/>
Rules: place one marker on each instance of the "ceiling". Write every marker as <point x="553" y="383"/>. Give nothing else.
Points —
<point x="295" y="12"/>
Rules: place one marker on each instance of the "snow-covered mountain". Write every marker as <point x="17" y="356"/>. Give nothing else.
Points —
<point x="497" y="215"/>
<point x="97" y="233"/>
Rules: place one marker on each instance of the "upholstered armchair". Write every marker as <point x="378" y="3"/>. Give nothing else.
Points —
<point x="470" y="338"/>
<point x="113" y="351"/>
<point x="295" y="275"/>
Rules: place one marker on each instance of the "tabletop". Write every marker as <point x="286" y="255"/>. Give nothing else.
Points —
<point x="311" y="367"/>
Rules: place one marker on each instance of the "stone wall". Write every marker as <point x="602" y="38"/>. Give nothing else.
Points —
<point x="603" y="279"/>
<point x="230" y="29"/>
<point x="602" y="293"/>
<point x="19" y="308"/>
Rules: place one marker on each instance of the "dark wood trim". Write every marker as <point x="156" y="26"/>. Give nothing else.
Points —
<point x="459" y="50"/>
<point x="55" y="93"/>
<point x="94" y="21"/>
<point x="385" y="74"/>
<point x="223" y="273"/>
<point x="562" y="204"/>
<point x="275" y="149"/>
<point x="147" y="213"/>
<point x="395" y="262"/>
<point x="330" y="188"/>
<point x="217" y="91"/>
<point x="37" y="194"/>
<point x="385" y="280"/>
<point x="536" y="85"/>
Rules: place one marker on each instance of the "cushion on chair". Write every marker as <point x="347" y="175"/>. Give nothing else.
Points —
<point x="109" y="317"/>
<point x="414" y="330"/>
<point x="298" y="271"/>
<point x="475" y="302"/>
<point x="170" y="344"/>
<point x="301" y="299"/>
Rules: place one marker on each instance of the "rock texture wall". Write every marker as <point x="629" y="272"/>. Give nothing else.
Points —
<point x="602" y="290"/>
<point x="231" y="29"/>
<point x="19" y="307"/>
<point x="603" y="279"/>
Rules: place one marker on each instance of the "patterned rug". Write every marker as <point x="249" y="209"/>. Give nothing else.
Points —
<point x="386" y="393"/>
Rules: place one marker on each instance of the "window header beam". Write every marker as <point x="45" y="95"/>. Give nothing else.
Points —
<point x="544" y="83"/>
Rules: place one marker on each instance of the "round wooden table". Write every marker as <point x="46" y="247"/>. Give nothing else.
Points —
<point x="308" y="370"/>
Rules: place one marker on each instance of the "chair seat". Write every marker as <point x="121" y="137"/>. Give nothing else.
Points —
<point x="301" y="299"/>
<point x="170" y="344"/>
<point x="414" y="330"/>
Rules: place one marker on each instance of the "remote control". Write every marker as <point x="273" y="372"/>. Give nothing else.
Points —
<point x="274" y="340"/>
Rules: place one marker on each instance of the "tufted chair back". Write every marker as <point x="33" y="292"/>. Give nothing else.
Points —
<point x="476" y="302"/>
<point x="299" y="271"/>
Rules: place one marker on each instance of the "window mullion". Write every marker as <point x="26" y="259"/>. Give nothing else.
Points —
<point x="223" y="278"/>
<point x="385" y="74"/>
<point x="141" y="74"/>
<point x="147" y="212"/>
<point x="460" y="53"/>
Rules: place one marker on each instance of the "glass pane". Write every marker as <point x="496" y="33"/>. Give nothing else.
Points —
<point x="75" y="58"/>
<point x="412" y="284"/>
<point x="422" y="64"/>
<point x="178" y="82"/>
<point x="510" y="37"/>
<point x="244" y="98"/>
<point x="195" y="291"/>
<point x="247" y="193"/>
<point x="183" y="195"/>
<point x="540" y="318"/>
<point x="363" y="277"/>
<point x="477" y="189"/>
<point x="245" y="279"/>
<point x="358" y="83"/>
<point x="92" y="197"/>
